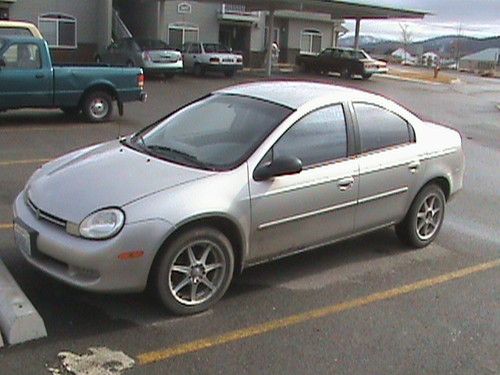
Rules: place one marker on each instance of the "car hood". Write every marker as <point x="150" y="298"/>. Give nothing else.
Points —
<point x="107" y="175"/>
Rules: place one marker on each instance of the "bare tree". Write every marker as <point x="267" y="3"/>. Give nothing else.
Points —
<point x="406" y="38"/>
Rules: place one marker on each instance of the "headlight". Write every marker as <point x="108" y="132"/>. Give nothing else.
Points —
<point x="102" y="224"/>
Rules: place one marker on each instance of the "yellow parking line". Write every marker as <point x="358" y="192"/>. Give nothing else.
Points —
<point x="259" y="329"/>
<point x="5" y="226"/>
<point x="5" y="163"/>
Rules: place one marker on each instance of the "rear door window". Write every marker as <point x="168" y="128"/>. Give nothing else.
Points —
<point x="22" y="56"/>
<point x="380" y="128"/>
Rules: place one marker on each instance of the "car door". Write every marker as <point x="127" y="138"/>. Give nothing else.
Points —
<point x="324" y="60"/>
<point x="388" y="164"/>
<point x="26" y="79"/>
<point x="315" y="206"/>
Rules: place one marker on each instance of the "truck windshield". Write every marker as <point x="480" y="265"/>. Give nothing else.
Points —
<point x="218" y="132"/>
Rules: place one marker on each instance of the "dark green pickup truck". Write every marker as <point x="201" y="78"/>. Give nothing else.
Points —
<point x="29" y="80"/>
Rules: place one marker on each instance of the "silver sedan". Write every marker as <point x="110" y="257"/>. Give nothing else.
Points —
<point x="242" y="176"/>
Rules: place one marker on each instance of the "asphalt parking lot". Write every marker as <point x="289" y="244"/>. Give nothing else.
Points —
<point x="363" y="306"/>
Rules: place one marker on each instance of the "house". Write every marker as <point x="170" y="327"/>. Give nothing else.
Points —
<point x="77" y="29"/>
<point x="405" y="57"/>
<point x="485" y="60"/>
<point x="430" y="59"/>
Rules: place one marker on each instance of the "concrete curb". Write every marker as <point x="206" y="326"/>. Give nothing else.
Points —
<point x="19" y="320"/>
<point x="398" y="78"/>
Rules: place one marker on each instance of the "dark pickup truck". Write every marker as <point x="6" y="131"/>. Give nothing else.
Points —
<point x="346" y="61"/>
<point x="29" y="80"/>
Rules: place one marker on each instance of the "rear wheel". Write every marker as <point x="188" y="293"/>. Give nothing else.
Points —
<point x="424" y="218"/>
<point x="194" y="271"/>
<point x="345" y="73"/>
<point x="98" y="106"/>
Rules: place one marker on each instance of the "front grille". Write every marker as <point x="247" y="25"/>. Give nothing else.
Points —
<point x="42" y="215"/>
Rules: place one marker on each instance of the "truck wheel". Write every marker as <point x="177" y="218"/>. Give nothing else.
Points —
<point x="71" y="111"/>
<point x="345" y="73"/>
<point x="424" y="218"/>
<point x="198" y="70"/>
<point x="98" y="106"/>
<point x="194" y="271"/>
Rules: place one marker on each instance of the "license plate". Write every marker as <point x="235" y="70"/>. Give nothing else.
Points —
<point x="228" y="60"/>
<point x="23" y="239"/>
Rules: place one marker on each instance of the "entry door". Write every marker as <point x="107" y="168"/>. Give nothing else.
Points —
<point x="24" y="82"/>
<point x="317" y="205"/>
<point x="389" y="167"/>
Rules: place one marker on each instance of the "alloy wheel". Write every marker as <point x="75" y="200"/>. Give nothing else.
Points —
<point x="429" y="217"/>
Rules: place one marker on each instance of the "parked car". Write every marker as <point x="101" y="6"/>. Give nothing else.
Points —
<point x="28" y="79"/>
<point x="200" y="58"/>
<point x="11" y="28"/>
<point x="153" y="56"/>
<point x="346" y="61"/>
<point x="242" y="176"/>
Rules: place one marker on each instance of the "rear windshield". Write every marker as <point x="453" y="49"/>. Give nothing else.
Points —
<point x="151" y="44"/>
<point x="19" y="31"/>
<point x="215" y="48"/>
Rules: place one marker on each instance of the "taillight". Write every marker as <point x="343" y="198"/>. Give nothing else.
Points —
<point x="140" y="81"/>
<point x="214" y="60"/>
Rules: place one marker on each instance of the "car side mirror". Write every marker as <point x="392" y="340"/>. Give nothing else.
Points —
<point x="281" y="166"/>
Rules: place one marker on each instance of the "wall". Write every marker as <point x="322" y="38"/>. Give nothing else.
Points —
<point x="87" y="32"/>
<point x="145" y="26"/>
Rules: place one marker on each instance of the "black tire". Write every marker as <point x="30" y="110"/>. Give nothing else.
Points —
<point x="71" y="111"/>
<point x="345" y="73"/>
<point x="229" y="73"/>
<point x="366" y="76"/>
<point x="162" y="274"/>
<point x="407" y="230"/>
<point x="198" y="70"/>
<point x="98" y="98"/>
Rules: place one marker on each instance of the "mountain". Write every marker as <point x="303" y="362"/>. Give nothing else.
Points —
<point x="364" y="39"/>
<point x="445" y="46"/>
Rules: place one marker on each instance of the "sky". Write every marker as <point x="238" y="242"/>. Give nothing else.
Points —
<point x="477" y="18"/>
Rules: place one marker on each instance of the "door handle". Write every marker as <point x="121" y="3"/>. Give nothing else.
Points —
<point x="345" y="183"/>
<point x="39" y="75"/>
<point x="413" y="166"/>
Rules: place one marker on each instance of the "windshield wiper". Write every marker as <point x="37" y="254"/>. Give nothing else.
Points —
<point x="168" y="150"/>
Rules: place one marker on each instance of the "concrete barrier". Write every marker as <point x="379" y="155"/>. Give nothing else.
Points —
<point x="19" y="320"/>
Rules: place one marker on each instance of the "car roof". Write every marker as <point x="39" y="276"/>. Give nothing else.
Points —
<point x="294" y="94"/>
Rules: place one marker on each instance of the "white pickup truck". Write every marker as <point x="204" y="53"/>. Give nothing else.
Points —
<point x="199" y="58"/>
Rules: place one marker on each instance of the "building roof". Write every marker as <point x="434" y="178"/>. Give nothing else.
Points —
<point x="489" y="54"/>
<point x="294" y="94"/>
<point x="338" y="9"/>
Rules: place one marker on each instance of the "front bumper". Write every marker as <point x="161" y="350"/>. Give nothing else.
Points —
<point x="92" y="265"/>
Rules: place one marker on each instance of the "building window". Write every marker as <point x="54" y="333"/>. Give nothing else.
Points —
<point x="178" y="34"/>
<point x="310" y="42"/>
<point x="58" y="29"/>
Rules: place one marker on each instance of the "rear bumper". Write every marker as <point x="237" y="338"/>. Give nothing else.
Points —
<point x="376" y="71"/>
<point x="222" y="67"/>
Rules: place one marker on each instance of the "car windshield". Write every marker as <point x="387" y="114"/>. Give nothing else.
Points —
<point x="215" y="48"/>
<point x="151" y="44"/>
<point x="218" y="132"/>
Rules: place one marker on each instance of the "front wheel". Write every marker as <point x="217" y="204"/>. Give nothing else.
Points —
<point x="194" y="271"/>
<point x="98" y="106"/>
<point x="424" y="218"/>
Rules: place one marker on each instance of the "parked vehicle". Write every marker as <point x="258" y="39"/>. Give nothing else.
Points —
<point x="153" y="56"/>
<point x="242" y="176"/>
<point x="11" y="28"/>
<point x="200" y="58"/>
<point x="346" y="61"/>
<point x="28" y="79"/>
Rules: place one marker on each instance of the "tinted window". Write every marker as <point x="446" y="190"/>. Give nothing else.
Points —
<point x="151" y="44"/>
<point x="379" y="128"/>
<point x="195" y="48"/>
<point x="317" y="138"/>
<point x="217" y="132"/>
